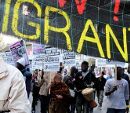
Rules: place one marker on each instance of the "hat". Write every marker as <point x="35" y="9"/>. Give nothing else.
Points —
<point x="22" y="61"/>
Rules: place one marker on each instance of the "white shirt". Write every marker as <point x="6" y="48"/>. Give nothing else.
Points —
<point x="84" y="74"/>
<point x="117" y="99"/>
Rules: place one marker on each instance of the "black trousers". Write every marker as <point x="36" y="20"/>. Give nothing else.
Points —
<point x="111" y="110"/>
<point x="44" y="103"/>
<point x="72" y="107"/>
<point x="35" y="96"/>
<point x="34" y="103"/>
<point x="4" y="111"/>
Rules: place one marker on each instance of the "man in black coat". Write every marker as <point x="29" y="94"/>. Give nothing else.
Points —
<point x="70" y="81"/>
<point x="26" y="73"/>
<point x="84" y="79"/>
<point x="100" y="83"/>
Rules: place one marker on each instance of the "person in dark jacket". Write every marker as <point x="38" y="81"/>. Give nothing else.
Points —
<point x="61" y="68"/>
<point x="128" y="73"/>
<point x="26" y="73"/>
<point x="35" y="91"/>
<point x="125" y="76"/>
<point x="100" y="83"/>
<point x="70" y="80"/>
<point x="84" y="79"/>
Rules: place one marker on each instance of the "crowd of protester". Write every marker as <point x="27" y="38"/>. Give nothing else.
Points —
<point x="76" y="92"/>
<point x="64" y="93"/>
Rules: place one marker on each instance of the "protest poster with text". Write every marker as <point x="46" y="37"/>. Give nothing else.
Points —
<point x="38" y="62"/>
<point x="38" y="48"/>
<point x="38" y="56"/>
<point x="69" y="58"/>
<point x="52" y="59"/>
<point x="18" y="50"/>
<point x="7" y="57"/>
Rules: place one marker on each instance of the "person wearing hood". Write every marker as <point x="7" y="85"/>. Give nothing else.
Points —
<point x="21" y="65"/>
<point x="13" y="95"/>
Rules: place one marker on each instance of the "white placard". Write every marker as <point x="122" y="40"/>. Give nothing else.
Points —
<point x="117" y="63"/>
<point x="100" y="62"/>
<point x="52" y="59"/>
<point x="69" y="58"/>
<point x="7" y="57"/>
<point x="38" y="62"/>
<point x="38" y="49"/>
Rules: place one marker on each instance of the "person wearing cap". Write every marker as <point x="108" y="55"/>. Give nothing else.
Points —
<point x="13" y="95"/>
<point x="21" y="65"/>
